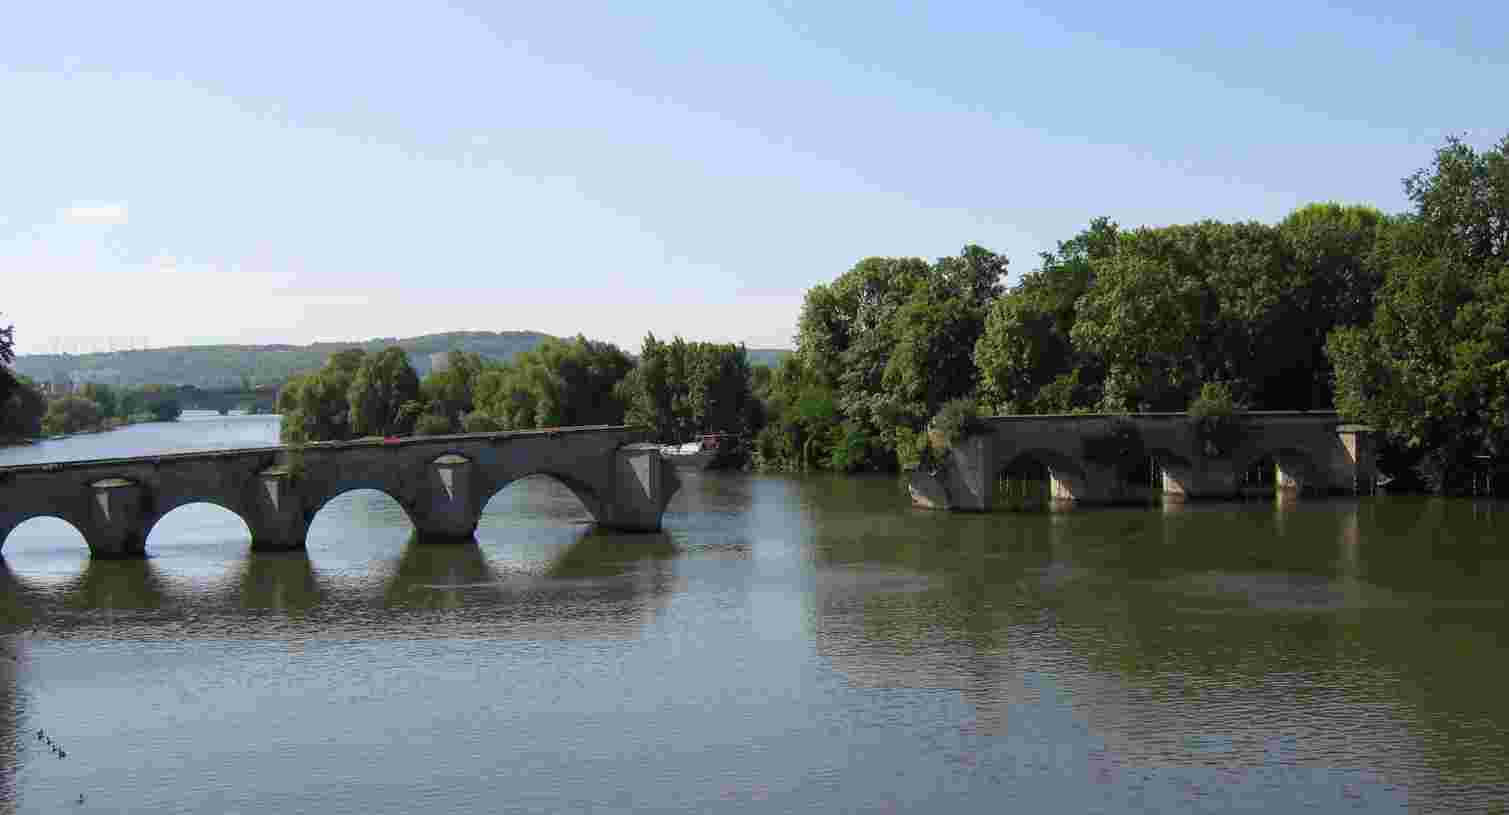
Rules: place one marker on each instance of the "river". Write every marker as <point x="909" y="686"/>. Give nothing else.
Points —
<point x="787" y="644"/>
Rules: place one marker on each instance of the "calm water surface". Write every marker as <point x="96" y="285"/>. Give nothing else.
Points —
<point x="788" y="644"/>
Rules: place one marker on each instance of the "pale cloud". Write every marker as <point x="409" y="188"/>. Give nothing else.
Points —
<point x="96" y="214"/>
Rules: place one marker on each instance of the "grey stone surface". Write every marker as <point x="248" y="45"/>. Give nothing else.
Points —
<point x="1314" y="453"/>
<point x="442" y="482"/>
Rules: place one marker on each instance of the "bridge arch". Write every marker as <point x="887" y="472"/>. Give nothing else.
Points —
<point x="1293" y="470"/>
<point x="217" y="524"/>
<point x="1026" y="478"/>
<point x="61" y="525"/>
<point x="584" y="493"/>
<point x="365" y="497"/>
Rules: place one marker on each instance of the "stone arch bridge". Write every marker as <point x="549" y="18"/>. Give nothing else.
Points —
<point x="442" y="482"/>
<point x="1086" y="457"/>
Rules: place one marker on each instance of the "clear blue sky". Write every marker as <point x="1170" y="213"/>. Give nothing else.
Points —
<point x="286" y="172"/>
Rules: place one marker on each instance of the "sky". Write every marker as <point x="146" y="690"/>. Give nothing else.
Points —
<point x="191" y="173"/>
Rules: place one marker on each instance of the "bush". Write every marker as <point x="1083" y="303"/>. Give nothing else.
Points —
<point x="431" y="425"/>
<point x="479" y="422"/>
<point x="1216" y="414"/>
<point x="957" y="419"/>
<point x="70" y="414"/>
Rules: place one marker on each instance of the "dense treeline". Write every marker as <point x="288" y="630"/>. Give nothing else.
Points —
<point x="1399" y="321"/>
<point x="677" y="388"/>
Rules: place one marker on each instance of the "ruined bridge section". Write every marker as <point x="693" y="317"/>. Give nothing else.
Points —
<point x="442" y="482"/>
<point x="1312" y="453"/>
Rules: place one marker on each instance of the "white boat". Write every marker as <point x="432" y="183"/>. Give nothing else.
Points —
<point x="696" y="455"/>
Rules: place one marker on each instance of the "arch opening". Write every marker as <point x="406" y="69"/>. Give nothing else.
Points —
<point x="541" y="498"/>
<point x="1025" y="483"/>
<point x="353" y="526"/>
<point x="46" y="547"/>
<point x="1282" y="472"/>
<point x="198" y="538"/>
<point x="532" y="517"/>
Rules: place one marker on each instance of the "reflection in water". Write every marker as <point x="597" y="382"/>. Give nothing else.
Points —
<point x="279" y="581"/>
<point x="112" y="586"/>
<point x="437" y="576"/>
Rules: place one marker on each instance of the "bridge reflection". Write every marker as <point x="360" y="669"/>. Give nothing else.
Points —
<point x="597" y="585"/>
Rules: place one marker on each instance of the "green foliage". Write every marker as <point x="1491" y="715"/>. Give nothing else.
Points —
<point x="71" y="414"/>
<point x="1026" y="360"/>
<point x="1215" y="413"/>
<point x="1432" y="369"/>
<point x="380" y="395"/>
<point x="452" y="392"/>
<point x="880" y="349"/>
<point x="479" y="422"/>
<point x="560" y="383"/>
<point x="21" y="409"/>
<point x="956" y="420"/>
<point x="431" y="424"/>
<point x="316" y="407"/>
<point x="681" y="389"/>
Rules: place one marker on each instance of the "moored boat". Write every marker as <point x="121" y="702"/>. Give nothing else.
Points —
<point x="706" y="452"/>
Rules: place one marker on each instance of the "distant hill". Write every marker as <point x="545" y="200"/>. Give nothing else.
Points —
<point x="219" y="366"/>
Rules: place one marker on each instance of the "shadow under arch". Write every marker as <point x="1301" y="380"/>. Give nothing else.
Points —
<point x="1264" y="471"/>
<point x="542" y="496"/>
<point x="279" y="581"/>
<point x="1024" y="481"/>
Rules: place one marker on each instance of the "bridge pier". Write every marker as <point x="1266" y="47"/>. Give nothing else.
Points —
<point x="451" y="513"/>
<point x="278" y="522"/>
<point x="117" y="525"/>
<point x="643" y="483"/>
<point x="1207" y="478"/>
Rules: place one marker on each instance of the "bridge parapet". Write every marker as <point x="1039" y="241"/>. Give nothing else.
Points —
<point x="442" y="483"/>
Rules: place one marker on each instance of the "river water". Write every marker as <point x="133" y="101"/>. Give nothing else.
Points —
<point x="788" y="644"/>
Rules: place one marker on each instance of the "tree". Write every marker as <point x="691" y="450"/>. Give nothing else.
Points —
<point x="1432" y="369"/>
<point x="558" y="383"/>
<point x="21" y="410"/>
<point x="104" y="396"/>
<point x="383" y="384"/>
<point x="315" y="407"/>
<point x="71" y="414"/>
